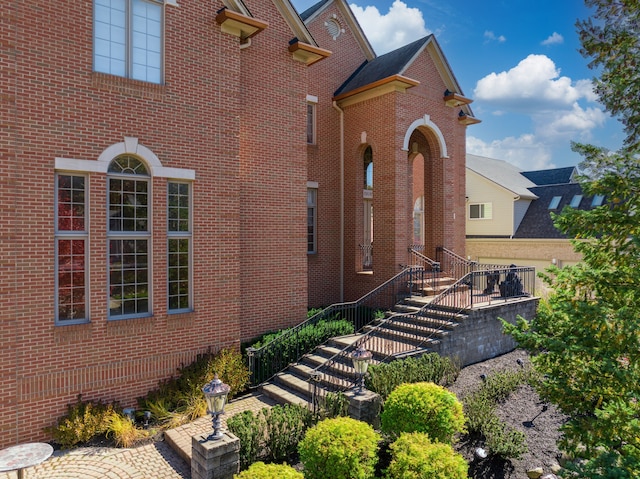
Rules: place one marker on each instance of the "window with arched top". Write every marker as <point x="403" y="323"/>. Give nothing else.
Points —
<point x="129" y="237"/>
<point x="368" y="168"/>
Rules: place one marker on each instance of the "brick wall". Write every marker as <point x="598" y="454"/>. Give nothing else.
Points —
<point x="220" y="114"/>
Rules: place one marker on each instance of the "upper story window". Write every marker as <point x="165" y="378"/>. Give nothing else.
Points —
<point x="71" y="237"/>
<point x="129" y="238"/>
<point x="127" y="38"/>
<point x="555" y="201"/>
<point x="368" y="168"/>
<point x="312" y="102"/>
<point x="480" y="211"/>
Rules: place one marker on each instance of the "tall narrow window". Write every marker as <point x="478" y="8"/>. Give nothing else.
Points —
<point x="311" y="123"/>
<point x="127" y="36"/>
<point x="71" y="248"/>
<point x="129" y="238"/>
<point x="312" y="220"/>
<point x="368" y="168"/>
<point x="179" y="247"/>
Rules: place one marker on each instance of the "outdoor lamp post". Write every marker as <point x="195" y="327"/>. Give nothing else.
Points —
<point x="361" y="359"/>
<point x="216" y="393"/>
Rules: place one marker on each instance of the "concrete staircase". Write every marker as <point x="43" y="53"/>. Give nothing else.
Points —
<point x="392" y="337"/>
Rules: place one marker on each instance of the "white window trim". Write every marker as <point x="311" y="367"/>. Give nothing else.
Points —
<point x="313" y="101"/>
<point x="182" y="235"/>
<point x="485" y="216"/>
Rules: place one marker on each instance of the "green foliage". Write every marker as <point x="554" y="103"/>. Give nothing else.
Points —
<point x="230" y="367"/>
<point x="249" y="428"/>
<point x="612" y="40"/>
<point x="423" y="407"/>
<point x="272" y="434"/>
<point x="180" y="399"/>
<point x="285" y="428"/>
<point x="339" y="448"/>
<point x="585" y="339"/>
<point x="480" y="409"/>
<point x="414" y="456"/>
<point x="260" y="470"/>
<point x="385" y="377"/>
<point x="334" y="405"/>
<point x="84" y="420"/>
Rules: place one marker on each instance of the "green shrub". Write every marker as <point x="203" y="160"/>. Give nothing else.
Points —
<point x="249" y="428"/>
<point x="480" y="409"/>
<point x="272" y="434"/>
<point x="334" y="405"/>
<point x="385" y="377"/>
<point x="123" y="430"/>
<point x="423" y="407"/>
<point x="84" y="420"/>
<point x="231" y="368"/>
<point x="339" y="448"/>
<point x="414" y="456"/>
<point x="285" y="427"/>
<point x="260" y="470"/>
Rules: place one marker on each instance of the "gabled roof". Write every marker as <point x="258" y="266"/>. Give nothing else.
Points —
<point x="311" y="13"/>
<point x="503" y="174"/>
<point x="392" y="63"/>
<point x="395" y="64"/>
<point x="537" y="222"/>
<point x="556" y="176"/>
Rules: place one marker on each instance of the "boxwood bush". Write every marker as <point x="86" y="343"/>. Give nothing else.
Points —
<point x="260" y="470"/>
<point x="414" y="456"/>
<point x="423" y="407"/>
<point x="339" y="448"/>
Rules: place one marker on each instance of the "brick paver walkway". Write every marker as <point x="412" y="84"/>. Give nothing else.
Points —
<point x="170" y="459"/>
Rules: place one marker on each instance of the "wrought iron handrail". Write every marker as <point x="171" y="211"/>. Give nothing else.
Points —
<point x="431" y="267"/>
<point x="453" y="264"/>
<point x="285" y="349"/>
<point x="451" y="303"/>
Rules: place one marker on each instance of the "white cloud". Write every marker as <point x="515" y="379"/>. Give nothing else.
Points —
<point x="525" y="151"/>
<point x="490" y="36"/>
<point x="554" y="39"/>
<point x="398" y="27"/>
<point x="565" y="125"/>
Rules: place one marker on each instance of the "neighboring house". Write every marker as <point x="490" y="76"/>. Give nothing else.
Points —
<point x="179" y="177"/>
<point x="526" y="234"/>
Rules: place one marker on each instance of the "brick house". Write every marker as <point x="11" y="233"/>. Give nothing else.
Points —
<point x="156" y="157"/>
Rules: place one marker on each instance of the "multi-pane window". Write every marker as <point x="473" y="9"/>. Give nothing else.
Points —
<point x="480" y="211"/>
<point x="129" y="238"/>
<point x="179" y="247"/>
<point x="128" y="38"/>
<point x="312" y="220"/>
<point x="71" y="240"/>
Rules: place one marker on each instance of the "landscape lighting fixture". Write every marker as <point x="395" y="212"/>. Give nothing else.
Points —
<point x="216" y="393"/>
<point x="361" y="359"/>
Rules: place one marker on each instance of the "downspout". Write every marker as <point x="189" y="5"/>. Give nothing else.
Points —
<point x="341" y="112"/>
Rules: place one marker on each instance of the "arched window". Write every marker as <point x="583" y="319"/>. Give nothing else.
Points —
<point x="129" y="237"/>
<point x="368" y="168"/>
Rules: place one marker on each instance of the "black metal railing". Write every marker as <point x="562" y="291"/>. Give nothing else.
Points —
<point x="338" y="374"/>
<point x="287" y="348"/>
<point x="453" y="264"/>
<point x="431" y="268"/>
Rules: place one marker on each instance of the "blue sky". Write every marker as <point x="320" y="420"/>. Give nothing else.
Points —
<point x="518" y="60"/>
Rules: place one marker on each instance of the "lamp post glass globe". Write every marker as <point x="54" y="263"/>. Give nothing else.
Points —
<point x="215" y="393"/>
<point x="361" y="359"/>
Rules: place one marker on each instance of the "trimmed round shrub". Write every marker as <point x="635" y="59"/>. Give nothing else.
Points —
<point x="423" y="407"/>
<point x="339" y="448"/>
<point x="260" y="470"/>
<point x="414" y="456"/>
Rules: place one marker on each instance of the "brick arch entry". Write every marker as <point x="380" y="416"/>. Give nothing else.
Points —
<point x="425" y="181"/>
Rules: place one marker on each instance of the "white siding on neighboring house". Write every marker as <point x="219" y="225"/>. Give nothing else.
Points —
<point x="482" y="191"/>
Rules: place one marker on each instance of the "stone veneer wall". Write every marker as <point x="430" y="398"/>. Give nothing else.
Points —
<point x="479" y="337"/>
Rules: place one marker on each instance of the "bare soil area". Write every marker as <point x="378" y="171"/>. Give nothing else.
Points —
<point x="523" y="410"/>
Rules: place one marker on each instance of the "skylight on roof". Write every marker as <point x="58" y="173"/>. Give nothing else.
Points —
<point x="575" y="201"/>
<point x="555" y="202"/>
<point x="597" y="200"/>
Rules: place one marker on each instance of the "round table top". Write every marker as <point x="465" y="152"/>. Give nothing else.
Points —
<point x="24" y="455"/>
